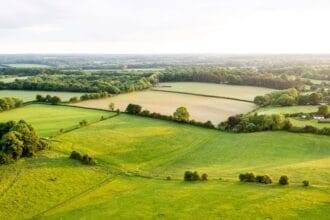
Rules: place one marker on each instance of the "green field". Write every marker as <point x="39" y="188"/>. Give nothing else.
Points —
<point x="237" y="92"/>
<point x="136" y="154"/>
<point x="288" y="110"/>
<point x="302" y="123"/>
<point x="27" y="95"/>
<point x="48" y="120"/>
<point x="27" y="65"/>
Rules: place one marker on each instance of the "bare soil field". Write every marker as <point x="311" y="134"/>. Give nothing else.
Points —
<point x="200" y="108"/>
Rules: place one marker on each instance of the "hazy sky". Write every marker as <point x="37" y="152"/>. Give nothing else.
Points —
<point x="165" y="26"/>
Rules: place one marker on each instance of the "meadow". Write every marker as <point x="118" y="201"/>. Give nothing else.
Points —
<point x="231" y="91"/>
<point x="200" y="108"/>
<point x="135" y="155"/>
<point x="288" y="109"/>
<point x="27" y="95"/>
<point x="48" y="120"/>
<point x="12" y="79"/>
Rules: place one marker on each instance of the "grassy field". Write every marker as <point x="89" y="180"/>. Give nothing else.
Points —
<point x="48" y="120"/>
<point x="136" y="154"/>
<point x="26" y="95"/>
<point x="239" y="92"/>
<point x="200" y="108"/>
<point x="302" y="123"/>
<point x="288" y="110"/>
<point x="27" y="65"/>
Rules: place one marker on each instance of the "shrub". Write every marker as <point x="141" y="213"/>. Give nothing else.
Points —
<point x="83" y="123"/>
<point x="247" y="177"/>
<point x="191" y="176"/>
<point x="204" y="177"/>
<point x="265" y="179"/>
<point x="284" y="180"/>
<point x="133" y="109"/>
<point x="88" y="160"/>
<point x="181" y="114"/>
<point x="168" y="178"/>
<point x="305" y="183"/>
<point x="75" y="155"/>
<point x="74" y="100"/>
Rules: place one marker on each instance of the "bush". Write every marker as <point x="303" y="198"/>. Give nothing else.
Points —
<point x="247" y="177"/>
<point x="133" y="109"/>
<point x="305" y="183"/>
<point x="75" y="155"/>
<point x="191" y="176"/>
<point x="204" y="177"/>
<point x="88" y="160"/>
<point x="168" y="178"/>
<point x="265" y="179"/>
<point x="74" y="100"/>
<point x="284" y="180"/>
<point x="83" y="123"/>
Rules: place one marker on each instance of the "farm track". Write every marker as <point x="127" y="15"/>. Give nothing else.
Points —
<point x="203" y="95"/>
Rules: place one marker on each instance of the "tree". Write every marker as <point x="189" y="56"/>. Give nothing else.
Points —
<point x="133" y="109"/>
<point x="315" y="98"/>
<point x="284" y="180"/>
<point x="74" y="100"/>
<point x="323" y="110"/>
<point x="181" y="114"/>
<point x="54" y="100"/>
<point x="40" y="98"/>
<point x="112" y="106"/>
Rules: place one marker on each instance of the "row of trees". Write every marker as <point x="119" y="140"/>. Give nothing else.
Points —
<point x="17" y="140"/>
<point x="112" y="83"/>
<point x="265" y="179"/>
<point x="48" y="99"/>
<point x="8" y="103"/>
<point x="234" y="76"/>
<point x="84" y="159"/>
<point x="288" y="97"/>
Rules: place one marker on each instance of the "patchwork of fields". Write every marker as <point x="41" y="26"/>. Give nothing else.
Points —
<point x="134" y="156"/>
<point x="31" y="95"/>
<point x="200" y="108"/>
<point x="230" y="91"/>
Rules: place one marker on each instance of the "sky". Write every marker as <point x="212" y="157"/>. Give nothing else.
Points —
<point x="165" y="26"/>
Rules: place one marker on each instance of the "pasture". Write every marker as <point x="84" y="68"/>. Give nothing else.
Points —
<point x="134" y="156"/>
<point x="200" y="108"/>
<point x="288" y="109"/>
<point x="48" y="120"/>
<point x="231" y="91"/>
<point x="10" y="79"/>
<point x="27" y="95"/>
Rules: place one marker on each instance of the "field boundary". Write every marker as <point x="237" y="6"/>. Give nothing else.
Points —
<point x="203" y="95"/>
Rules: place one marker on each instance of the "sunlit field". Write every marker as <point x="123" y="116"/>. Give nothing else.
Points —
<point x="200" y="108"/>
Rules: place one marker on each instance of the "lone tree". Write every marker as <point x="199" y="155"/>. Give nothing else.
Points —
<point x="284" y="180"/>
<point x="324" y="110"/>
<point x="181" y="114"/>
<point x="133" y="109"/>
<point x="112" y="106"/>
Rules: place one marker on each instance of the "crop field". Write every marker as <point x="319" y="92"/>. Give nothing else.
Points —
<point x="48" y="120"/>
<point x="135" y="155"/>
<point x="27" y="95"/>
<point x="237" y="92"/>
<point x="200" y="108"/>
<point x="27" y="65"/>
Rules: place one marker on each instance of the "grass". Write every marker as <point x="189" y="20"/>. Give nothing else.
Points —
<point x="237" y="92"/>
<point x="135" y="154"/>
<point x="288" y="110"/>
<point x="27" y="65"/>
<point x="200" y="108"/>
<point x="303" y="122"/>
<point x="48" y="120"/>
<point x="27" y="95"/>
<point x="12" y="79"/>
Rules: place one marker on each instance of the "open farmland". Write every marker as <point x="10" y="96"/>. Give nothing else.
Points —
<point x="288" y="109"/>
<point x="200" y="108"/>
<point x="136" y="154"/>
<point x="27" y="95"/>
<point x="48" y="120"/>
<point x="231" y="91"/>
<point x="11" y="79"/>
<point x="27" y="65"/>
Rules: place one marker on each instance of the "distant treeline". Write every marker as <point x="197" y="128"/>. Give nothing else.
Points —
<point x="235" y="76"/>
